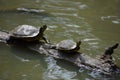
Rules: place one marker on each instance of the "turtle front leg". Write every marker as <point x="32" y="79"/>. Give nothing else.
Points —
<point x="46" y="40"/>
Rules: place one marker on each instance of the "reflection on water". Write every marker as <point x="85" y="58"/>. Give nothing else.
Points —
<point x="55" y="72"/>
<point x="86" y="20"/>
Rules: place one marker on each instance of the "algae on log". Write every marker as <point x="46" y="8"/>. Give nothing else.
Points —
<point x="103" y="64"/>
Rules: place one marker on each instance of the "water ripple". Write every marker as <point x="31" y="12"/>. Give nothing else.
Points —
<point x="113" y="19"/>
<point x="30" y="10"/>
<point x="22" y="59"/>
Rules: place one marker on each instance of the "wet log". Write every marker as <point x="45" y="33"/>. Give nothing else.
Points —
<point x="103" y="64"/>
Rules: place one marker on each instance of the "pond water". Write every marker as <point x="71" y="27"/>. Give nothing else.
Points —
<point x="95" y="22"/>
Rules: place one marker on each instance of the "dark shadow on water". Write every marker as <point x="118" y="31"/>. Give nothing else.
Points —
<point x="67" y="65"/>
<point x="24" y="52"/>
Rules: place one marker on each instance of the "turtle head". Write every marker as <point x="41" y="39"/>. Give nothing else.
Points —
<point x="78" y="43"/>
<point x="41" y="33"/>
<point x="42" y="29"/>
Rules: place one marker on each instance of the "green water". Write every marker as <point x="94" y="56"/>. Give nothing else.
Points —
<point x="95" y="22"/>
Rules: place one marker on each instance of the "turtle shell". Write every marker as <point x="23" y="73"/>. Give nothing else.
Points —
<point x="28" y="33"/>
<point x="25" y="31"/>
<point x="66" y="45"/>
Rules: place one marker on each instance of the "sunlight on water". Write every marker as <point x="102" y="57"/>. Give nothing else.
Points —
<point x="113" y="19"/>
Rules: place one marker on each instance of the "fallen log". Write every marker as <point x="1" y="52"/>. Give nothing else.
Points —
<point x="104" y="64"/>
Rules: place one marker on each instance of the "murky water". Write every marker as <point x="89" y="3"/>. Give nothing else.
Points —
<point x="95" y="22"/>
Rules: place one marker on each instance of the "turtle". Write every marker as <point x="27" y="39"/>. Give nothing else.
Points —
<point x="27" y="33"/>
<point x="68" y="46"/>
